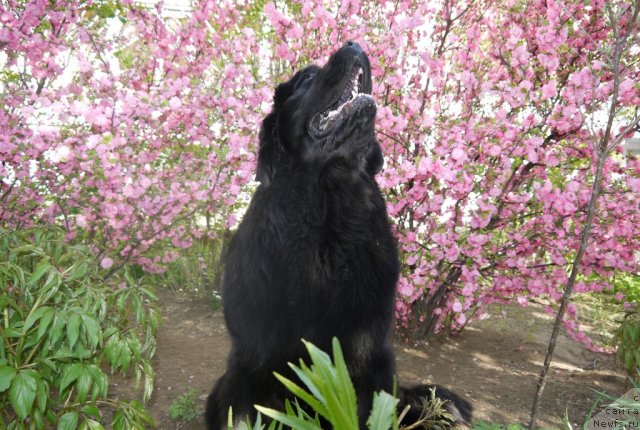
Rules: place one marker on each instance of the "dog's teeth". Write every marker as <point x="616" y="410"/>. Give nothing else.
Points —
<point x="350" y="93"/>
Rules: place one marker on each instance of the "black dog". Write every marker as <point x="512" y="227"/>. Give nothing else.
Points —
<point x="314" y="256"/>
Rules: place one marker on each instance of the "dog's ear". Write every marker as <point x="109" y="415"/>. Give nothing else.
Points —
<point x="271" y="149"/>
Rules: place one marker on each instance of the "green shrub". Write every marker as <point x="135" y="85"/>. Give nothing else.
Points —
<point x="186" y="407"/>
<point x="628" y="341"/>
<point x="61" y="326"/>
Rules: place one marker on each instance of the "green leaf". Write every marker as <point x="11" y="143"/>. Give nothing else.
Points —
<point x="57" y="252"/>
<point x="52" y="285"/>
<point x="83" y="384"/>
<point x="45" y="320"/>
<point x="56" y="329"/>
<point x="149" y="293"/>
<point x="52" y="282"/>
<point x="230" y="418"/>
<point x="33" y="317"/>
<point x="149" y="377"/>
<point x="628" y="360"/>
<point x="13" y="332"/>
<point x="303" y="395"/>
<point x="7" y="373"/>
<point x="100" y="382"/>
<point x="73" y="329"/>
<point x="42" y="394"/>
<point x="125" y="356"/>
<point x="382" y="412"/>
<point x="68" y="421"/>
<point x="49" y="363"/>
<point x="37" y="274"/>
<point x="119" y="420"/>
<point x="130" y="281"/>
<point x="335" y="384"/>
<point x="94" y="425"/>
<point x="22" y="394"/>
<point x="306" y="376"/>
<point x="76" y="271"/>
<point x="346" y="391"/>
<point x="72" y="372"/>
<point x="92" y="328"/>
<point x="135" y="347"/>
<point x="38" y="419"/>
<point x="92" y="411"/>
<point x="291" y="421"/>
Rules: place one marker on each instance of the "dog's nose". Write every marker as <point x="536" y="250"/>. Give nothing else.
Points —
<point x="350" y="43"/>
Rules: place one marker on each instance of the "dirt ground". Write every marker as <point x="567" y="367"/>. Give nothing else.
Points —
<point x="494" y="363"/>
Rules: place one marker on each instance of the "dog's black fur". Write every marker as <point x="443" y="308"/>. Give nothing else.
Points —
<point x="314" y="256"/>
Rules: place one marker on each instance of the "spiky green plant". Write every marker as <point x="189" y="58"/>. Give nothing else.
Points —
<point x="328" y="393"/>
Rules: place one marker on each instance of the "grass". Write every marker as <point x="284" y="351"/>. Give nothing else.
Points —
<point x="186" y="407"/>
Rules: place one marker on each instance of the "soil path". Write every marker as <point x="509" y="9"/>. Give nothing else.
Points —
<point x="494" y="363"/>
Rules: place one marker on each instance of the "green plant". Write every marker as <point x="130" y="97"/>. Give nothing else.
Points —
<point x="186" y="407"/>
<point x="330" y="394"/>
<point x="60" y="326"/>
<point x="628" y="341"/>
<point x="627" y="284"/>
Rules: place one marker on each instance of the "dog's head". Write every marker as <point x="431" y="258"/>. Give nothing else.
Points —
<point x="321" y="112"/>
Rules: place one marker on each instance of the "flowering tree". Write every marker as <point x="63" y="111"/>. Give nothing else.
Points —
<point x="622" y="23"/>
<point x="498" y="194"/>
<point x="132" y="131"/>
<point x="488" y="113"/>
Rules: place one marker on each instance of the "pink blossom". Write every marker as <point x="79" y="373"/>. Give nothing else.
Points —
<point x="549" y="89"/>
<point x="457" y="306"/>
<point x="106" y="263"/>
<point x="175" y="103"/>
<point x="458" y="154"/>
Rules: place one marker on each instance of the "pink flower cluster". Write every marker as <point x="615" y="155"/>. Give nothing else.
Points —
<point x="136" y="140"/>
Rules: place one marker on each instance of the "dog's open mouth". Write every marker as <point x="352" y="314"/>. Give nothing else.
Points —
<point x="352" y="94"/>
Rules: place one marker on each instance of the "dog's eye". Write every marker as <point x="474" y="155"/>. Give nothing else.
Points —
<point x="305" y="79"/>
